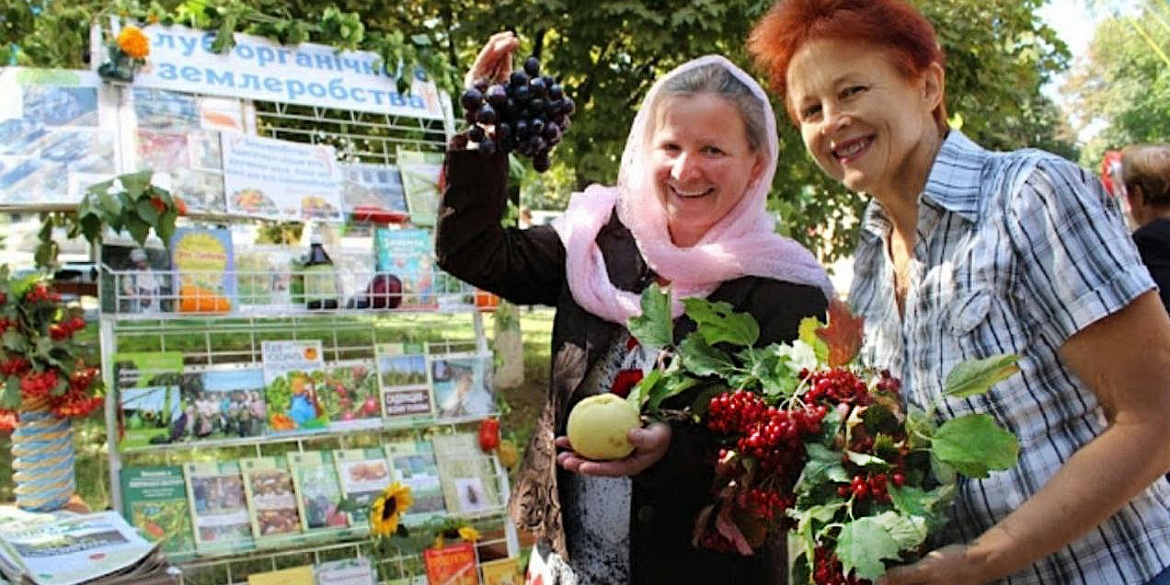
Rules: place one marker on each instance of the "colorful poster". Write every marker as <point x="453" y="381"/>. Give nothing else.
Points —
<point x="280" y="180"/>
<point x="57" y="135"/>
<point x="205" y="264"/>
<point x="292" y="380"/>
<point x="349" y="394"/>
<point x="177" y="135"/>
<point x="260" y="69"/>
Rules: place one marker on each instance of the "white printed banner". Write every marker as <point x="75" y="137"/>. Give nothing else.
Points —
<point x="275" y="179"/>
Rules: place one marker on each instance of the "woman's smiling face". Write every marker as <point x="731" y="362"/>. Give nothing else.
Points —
<point x="703" y="162"/>
<point x="866" y="124"/>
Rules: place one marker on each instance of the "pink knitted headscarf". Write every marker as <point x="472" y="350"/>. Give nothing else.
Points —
<point x="742" y="243"/>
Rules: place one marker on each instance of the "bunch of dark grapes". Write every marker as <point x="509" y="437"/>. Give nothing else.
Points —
<point x="526" y="114"/>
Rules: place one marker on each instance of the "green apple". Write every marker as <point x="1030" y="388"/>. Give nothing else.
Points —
<point x="598" y="426"/>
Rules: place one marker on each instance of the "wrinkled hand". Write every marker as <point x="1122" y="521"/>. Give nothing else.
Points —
<point x="494" y="61"/>
<point x="650" y="444"/>
<point x="949" y="565"/>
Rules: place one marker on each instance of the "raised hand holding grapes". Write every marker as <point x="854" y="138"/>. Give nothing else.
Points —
<point x="522" y="111"/>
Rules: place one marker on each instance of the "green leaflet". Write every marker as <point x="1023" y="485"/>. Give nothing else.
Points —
<point x="718" y="323"/>
<point x="863" y="544"/>
<point x="974" y="377"/>
<point x="654" y="328"/>
<point x="974" y="444"/>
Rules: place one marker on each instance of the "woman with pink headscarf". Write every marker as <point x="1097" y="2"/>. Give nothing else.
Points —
<point x="688" y="211"/>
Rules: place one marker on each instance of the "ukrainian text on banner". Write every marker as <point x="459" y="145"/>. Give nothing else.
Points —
<point x="181" y="59"/>
<point x="56" y="135"/>
<point x="274" y="179"/>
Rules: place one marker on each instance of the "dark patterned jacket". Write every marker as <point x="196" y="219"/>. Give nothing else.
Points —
<point x="528" y="267"/>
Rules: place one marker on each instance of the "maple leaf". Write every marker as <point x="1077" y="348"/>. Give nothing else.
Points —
<point x="843" y="333"/>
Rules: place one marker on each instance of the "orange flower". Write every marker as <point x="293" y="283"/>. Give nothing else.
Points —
<point x="133" y="42"/>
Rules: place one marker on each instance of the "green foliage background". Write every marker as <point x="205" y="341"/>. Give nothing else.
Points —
<point x="608" y="54"/>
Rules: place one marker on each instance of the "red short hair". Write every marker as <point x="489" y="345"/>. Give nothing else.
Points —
<point x="904" y="35"/>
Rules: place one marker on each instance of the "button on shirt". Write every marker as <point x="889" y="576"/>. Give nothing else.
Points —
<point x="1015" y="252"/>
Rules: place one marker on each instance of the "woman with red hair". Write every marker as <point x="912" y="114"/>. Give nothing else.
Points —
<point x="967" y="253"/>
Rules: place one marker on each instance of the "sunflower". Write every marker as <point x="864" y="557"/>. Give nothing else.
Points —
<point x="468" y="533"/>
<point x="388" y="507"/>
<point x="133" y="42"/>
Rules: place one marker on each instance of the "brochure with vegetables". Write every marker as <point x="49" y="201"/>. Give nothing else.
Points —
<point x="272" y="503"/>
<point x="319" y="494"/>
<point x="154" y="500"/>
<point x="414" y="465"/>
<point x="292" y="385"/>
<point x="364" y="474"/>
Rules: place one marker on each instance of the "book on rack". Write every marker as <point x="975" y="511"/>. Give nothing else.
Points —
<point x="349" y="394"/>
<point x="96" y="549"/>
<point x="420" y="183"/>
<point x="357" y="571"/>
<point x="364" y="475"/>
<point x="318" y="491"/>
<point x="453" y="564"/>
<point x="264" y="274"/>
<point x="413" y="463"/>
<point x="154" y="500"/>
<point x="402" y="377"/>
<point x="293" y="372"/>
<point x="462" y="383"/>
<point x="502" y="572"/>
<point x="272" y="501"/>
<point x="150" y="405"/>
<point x="302" y="575"/>
<point x="222" y="401"/>
<point x="219" y="508"/>
<point x="204" y="263"/>
<point x="466" y="474"/>
<point x="408" y="254"/>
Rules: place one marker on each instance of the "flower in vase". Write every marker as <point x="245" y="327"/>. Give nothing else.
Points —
<point x="133" y="42"/>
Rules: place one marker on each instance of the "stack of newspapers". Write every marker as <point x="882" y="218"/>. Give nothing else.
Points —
<point x="65" y="549"/>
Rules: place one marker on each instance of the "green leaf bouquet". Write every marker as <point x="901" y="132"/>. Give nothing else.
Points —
<point x="814" y="443"/>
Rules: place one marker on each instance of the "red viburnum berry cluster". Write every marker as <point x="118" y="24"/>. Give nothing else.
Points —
<point x="828" y="570"/>
<point x="35" y="314"/>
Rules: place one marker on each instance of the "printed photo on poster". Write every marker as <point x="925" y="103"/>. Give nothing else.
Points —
<point x="281" y="180"/>
<point x="462" y="385"/>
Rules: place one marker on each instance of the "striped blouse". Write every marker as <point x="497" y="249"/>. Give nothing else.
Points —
<point x="1015" y="253"/>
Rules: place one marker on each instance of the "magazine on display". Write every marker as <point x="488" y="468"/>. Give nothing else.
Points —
<point x="364" y="475"/>
<point x="349" y="395"/>
<point x="149" y="396"/>
<point x="420" y="182"/>
<point x="204" y="263"/>
<point x="293" y="374"/>
<point x="91" y="548"/>
<point x="265" y="274"/>
<point x="219" y="507"/>
<point x="466" y="474"/>
<point x="154" y="500"/>
<point x="462" y="385"/>
<point x="409" y="255"/>
<point x="223" y="401"/>
<point x="402" y="376"/>
<point x="413" y="463"/>
<point x="303" y="575"/>
<point x="318" y="490"/>
<point x="502" y="572"/>
<point x="453" y="564"/>
<point x="272" y="501"/>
